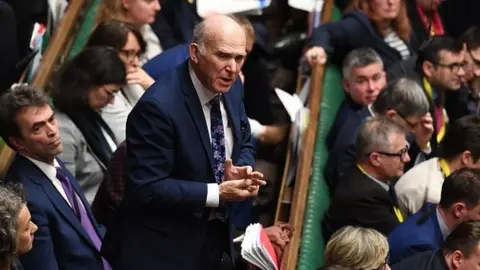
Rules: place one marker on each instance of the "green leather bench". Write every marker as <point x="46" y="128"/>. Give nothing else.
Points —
<point x="312" y="244"/>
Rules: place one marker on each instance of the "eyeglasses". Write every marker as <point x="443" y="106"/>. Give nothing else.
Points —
<point x="111" y="93"/>
<point x="130" y="54"/>
<point x="400" y="154"/>
<point x="454" y="67"/>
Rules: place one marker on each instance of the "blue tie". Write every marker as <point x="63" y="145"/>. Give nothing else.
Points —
<point x="218" y="139"/>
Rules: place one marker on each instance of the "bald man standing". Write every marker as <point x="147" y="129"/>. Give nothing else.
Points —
<point x="189" y="156"/>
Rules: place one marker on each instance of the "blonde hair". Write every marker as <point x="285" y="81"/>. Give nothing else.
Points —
<point x="111" y="10"/>
<point x="247" y="27"/>
<point x="357" y="247"/>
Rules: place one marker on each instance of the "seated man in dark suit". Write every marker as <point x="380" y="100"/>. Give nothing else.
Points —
<point x="68" y="236"/>
<point x="427" y="229"/>
<point x="403" y="102"/>
<point x="189" y="156"/>
<point x="362" y="198"/>
<point x="363" y="79"/>
<point x="461" y="251"/>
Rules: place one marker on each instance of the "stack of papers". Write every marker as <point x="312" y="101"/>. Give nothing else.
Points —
<point x="257" y="248"/>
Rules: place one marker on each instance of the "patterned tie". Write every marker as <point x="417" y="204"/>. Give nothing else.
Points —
<point x="218" y="139"/>
<point x="80" y="212"/>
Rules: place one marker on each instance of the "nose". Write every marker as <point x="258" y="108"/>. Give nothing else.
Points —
<point x="406" y="158"/>
<point x="476" y="71"/>
<point x="232" y="66"/>
<point x="371" y="86"/>
<point x="51" y="129"/>
<point x="135" y="61"/>
<point x="157" y="7"/>
<point x="461" y="71"/>
<point x="34" y="227"/>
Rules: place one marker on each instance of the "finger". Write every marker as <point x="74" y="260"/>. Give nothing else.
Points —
<point x="258" y="182"/>
<point x="228" y="164"/>
<point x="257" y="175"/>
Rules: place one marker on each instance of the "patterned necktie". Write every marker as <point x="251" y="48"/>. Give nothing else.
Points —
<point x="218" y="139"/>
<point x="80" y="212"/>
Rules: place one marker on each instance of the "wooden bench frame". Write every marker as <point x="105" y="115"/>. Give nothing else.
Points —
<point x="292" y="200"/>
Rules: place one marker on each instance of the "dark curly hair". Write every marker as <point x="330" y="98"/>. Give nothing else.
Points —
<point x="11" y="203"/>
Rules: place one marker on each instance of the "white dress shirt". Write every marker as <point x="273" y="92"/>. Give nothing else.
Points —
<point x="205" y="96"/>
<point x="51" y="173"/>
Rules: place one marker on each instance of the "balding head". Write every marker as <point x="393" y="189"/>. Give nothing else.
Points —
<point x="217" y="52"/>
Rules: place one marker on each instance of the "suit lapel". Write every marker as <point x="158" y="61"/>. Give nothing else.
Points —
<point x="57" y="200"/>
<point x="195" y="109"/>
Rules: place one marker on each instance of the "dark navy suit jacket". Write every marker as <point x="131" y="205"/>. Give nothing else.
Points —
<point x="167" y="60"/>
<point x="418" y="233"/>
<point x="60" y="241"/>
<point x="162" y="221"/>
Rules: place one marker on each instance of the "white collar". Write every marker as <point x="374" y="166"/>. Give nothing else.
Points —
<point x="443" y="226"/>
<point x="49" y="170"/>
<point x="370" y="110"/>
<point x="204" y="95"/>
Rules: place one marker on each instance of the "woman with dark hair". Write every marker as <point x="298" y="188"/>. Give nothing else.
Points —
<point x="16" y="229"/>
<point x="129" y="43"/>
<point x="82" y="88"/>
<point x="382" y="25"/>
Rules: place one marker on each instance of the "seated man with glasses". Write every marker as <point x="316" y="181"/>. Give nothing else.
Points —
<point x="364" y="196"/>
<point x="440" y="70"/>
<point x="427" y="229"/>
<point x="401" y="101"/>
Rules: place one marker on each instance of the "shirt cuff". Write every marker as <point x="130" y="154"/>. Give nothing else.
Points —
<point x="213" y="195"/>
<point x="256" y="128"/>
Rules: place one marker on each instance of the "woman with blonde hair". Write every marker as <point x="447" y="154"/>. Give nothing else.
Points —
<point x="140" y="13"/>
<point x="358" y="248"/>
<point x="382" y="25"/>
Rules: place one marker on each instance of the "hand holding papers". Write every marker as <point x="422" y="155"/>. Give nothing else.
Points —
<point x="257" y="248"/>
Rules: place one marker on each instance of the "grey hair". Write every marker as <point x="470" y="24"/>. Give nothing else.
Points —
<point x="201" y="35"/>
<point x="375" y="134"/>
<point x="403" y="95"/>
<point x="361" y="57"/>
<point x="11" y="203"/>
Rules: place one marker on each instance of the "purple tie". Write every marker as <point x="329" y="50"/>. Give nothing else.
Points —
<point x="80" y="212"/>
<point x="218" y="150"/>
<point x="218" y="139"/>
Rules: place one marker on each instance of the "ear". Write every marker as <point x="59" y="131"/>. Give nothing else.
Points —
<point x="457" y="258"/>
<point x="194" y="51"/>
<point x="458" y="210"/>
<point x="17" y="143"/>
<point x="346" y="85"/>
<point x="428" y="68"/>
<point x="374" y="159"/>
<point x="466" y="159"/>
<point x="391" y="114"/>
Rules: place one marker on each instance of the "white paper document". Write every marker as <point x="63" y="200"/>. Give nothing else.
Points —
<point x="257" y="248"/>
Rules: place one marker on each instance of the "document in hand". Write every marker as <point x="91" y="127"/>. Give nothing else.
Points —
<point x="257" y="248"/>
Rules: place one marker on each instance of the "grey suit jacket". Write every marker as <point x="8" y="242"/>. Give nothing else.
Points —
<point x="79" y="158"/>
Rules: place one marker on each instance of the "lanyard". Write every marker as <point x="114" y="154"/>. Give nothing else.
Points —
<point x="429" y="91"/>
<point x="444" y="168"/>
<point x="395" y="209"/>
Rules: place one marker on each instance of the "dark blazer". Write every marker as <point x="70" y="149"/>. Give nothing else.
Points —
<point x="169" y="163"/>
<point x="421" y="33"/>
<point x="418" y="233"/>
<point x="428" y="260"/>
<point x="60" y="241"/>
<point x="355" y="30"/>
<point x="342" y="147"/>
<point x="359" y="201"/>
<point x="348" y="109"/>
<point x="167" y="60"/>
